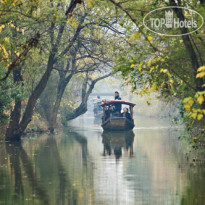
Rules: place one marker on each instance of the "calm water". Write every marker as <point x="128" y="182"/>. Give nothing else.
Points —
<point x="82" y="165"/>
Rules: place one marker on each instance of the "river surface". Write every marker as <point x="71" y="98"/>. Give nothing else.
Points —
<point x="83" y="165"/>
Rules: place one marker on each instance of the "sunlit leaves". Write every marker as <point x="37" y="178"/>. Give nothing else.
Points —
<point x="201" y="72"/>
<point x="200" y="75"/>
<point x="149" y="38"/>
<point x="90" y="3"/>
<point x="136" y="36"/>
<point x="200" y="99"/>
<point x="201" y="69"/>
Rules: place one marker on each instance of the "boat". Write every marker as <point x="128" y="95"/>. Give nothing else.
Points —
<point x="115" y="122"/>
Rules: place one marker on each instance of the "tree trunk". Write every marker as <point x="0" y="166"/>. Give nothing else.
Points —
<point x="202" y="1"/>
<point x="16" y="129"/>
<point x="63" y="82"/>
<point x="189" y="48"/>
<point x="16" y="112"/>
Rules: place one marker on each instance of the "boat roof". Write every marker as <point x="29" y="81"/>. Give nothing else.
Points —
<point x="117" y="101"/>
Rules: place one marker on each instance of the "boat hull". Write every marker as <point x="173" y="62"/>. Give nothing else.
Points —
<point x="118" y="124"/>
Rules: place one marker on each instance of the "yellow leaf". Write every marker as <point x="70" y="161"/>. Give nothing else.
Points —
<point x="187" y="107"/>
<point x="186" y="100"/>
<point x="193" y="115"/>
<point x="133" y="65"/>
<point x="151" y="69"/>
<point x="162" y="70"/>
<point x="200" y="75"/>
<point x="91" y="3"/>
<point x="131" y="61"/>
<point x="5" y="52"/>
<point x="200" y="116"/>
<point x="22" y="30"/>
<point x="149" y="38"/>
<point x="130" y="39"/>
<point x="137" y="35"/>
<point x="149" y="63"/>
<point x="74" y="24"/>
<point x="201" y="69"/>
<point x="69" y="20"/>
<point x="200" y="99"/>
<point x="190" y="102"/>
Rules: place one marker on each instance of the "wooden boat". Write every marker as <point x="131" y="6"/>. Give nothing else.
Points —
<point x="116" y="122"/>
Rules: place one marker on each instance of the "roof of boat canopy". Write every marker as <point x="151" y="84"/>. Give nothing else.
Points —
<point x="117" y="101"/>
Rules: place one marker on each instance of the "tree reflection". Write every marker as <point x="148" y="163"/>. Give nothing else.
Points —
<point x="117" y="142"/>
<point x="83" y="142"/>
<point x="17" y="156"/>
<point x="48" y="169"/>
<point x="14" y="152"/>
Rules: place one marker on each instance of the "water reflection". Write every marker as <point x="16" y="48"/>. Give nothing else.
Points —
<point x="88" y="166"/>
<point x="21" y="166"/>
<point x="48" y="170"/>
<point x="114" y="142"/>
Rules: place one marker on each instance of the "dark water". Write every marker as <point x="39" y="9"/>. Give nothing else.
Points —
<point x="82" y="165"/>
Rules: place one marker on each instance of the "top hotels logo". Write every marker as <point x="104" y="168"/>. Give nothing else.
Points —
<point x="164" y="22"/>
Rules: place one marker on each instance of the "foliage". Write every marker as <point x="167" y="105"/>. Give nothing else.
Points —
<point x="195" y="105"/>
<point x="155" y="63"/>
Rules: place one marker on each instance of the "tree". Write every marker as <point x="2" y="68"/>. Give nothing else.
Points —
<point x="17" y="124"/>
<point x="151" y="62"/>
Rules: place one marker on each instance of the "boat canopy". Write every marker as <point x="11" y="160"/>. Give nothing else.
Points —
<point x="117" y="101"/>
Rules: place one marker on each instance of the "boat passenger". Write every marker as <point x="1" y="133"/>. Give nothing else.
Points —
<point x="118" y="106"/>
<point x="107" y="112"/>
<point x="126" y="114"/>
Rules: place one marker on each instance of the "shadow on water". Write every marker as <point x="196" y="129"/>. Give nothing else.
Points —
<point x="114" y="142"/>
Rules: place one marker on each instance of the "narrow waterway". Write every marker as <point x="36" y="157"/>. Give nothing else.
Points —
<point x="84" y="165"/>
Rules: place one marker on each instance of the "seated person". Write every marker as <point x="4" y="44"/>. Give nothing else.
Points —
<point x="108" y="112"/>
<point x="111" y="111"/>
<point x="126" y="114"/>
<point x="115" y="111"/>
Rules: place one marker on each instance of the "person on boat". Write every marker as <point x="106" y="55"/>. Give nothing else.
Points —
<point x="126" y="114"/>
<point x="108" y="112"/>
<point x="118" y="106"/>
<point x="117" y="96"/>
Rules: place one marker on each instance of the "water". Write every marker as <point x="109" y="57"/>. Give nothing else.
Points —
<point x="84" y="165"/>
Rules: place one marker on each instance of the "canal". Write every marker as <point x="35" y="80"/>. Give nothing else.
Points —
<point x="84" y="165"/>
